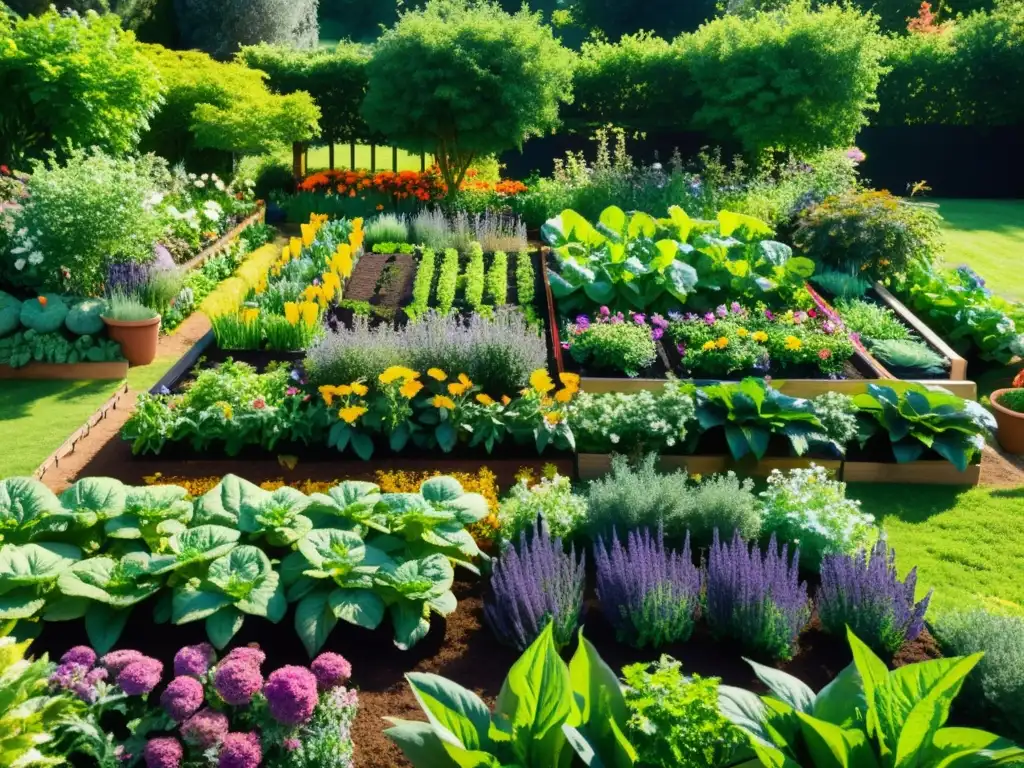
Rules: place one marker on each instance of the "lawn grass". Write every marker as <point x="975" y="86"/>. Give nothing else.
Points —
<point x="967" y="544"/>
<point x="988" y="235"/>
<point x="319" y="158"/>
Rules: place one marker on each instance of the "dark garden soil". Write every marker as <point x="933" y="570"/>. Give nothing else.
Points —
<point x="362" y="285"/>
<point x="397" y="291"/>
<point x="464" y="650"/>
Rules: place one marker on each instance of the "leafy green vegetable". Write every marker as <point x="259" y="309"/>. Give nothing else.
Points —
<point x="151" y="513"/>
<point x="29" y="510"/>
<point x="29" y="574"/>
<point x="414" y="590"/>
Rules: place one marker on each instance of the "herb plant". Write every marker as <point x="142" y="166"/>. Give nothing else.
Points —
<point x="447" y="282"/>
<point x="422" y="284"/>
<point x="474" y="278"/>
<point x="497" y="280"/>
<point x="1014" y="400"/>
<point x="562" y="511"/>
<point x="625" y="347"/>
<point x="910" y="358"/>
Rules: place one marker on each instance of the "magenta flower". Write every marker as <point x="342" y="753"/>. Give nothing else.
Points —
<point x="331" y="670"/>
<point x="238" y="680"/>
<point x="582" y="322"/>
<point x="639" y="319"/>
<point x="80" y="654"/>
<point x="658" y="321"/>
<point x="182" y="698"/>
<point x="205" y="728"/>
<point x="194" y="659"/>
<point x="657" y="333"/>
<point x="565" y="345"/>
<point x="163" y="752"/>
<point x="291" y="391"/>
<point x="115" y="661"/>
<point x="811" y="313"/>
<point x="768" y="315"/>
<point x="240" y="750"/>
<point x="291" y="695"/>
<point x="709" y="318"/>
<point x="140" y="677"/>
<point x="290" y="745"/>
<point x="247" y="653"/>
<point x="722" y="311"/>
<point x="736" y="308"/>
<point x="86" y="689"/>
<point x="856" y="155"/>
<point x="604" y="311"/>
<point x="681" y="349"/>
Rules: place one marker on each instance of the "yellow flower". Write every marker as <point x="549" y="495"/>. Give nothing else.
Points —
<point x="359" y="388"/>
<point x="465" y="381"/>
<point x="228" y="412"/>
<point x="411" y="388"/>
<point x="250" y="314"/>
<point x="294" y="248"/>
<point x="440" y="401"/>
<point x="396" y="372"/>
<point x="327" y="392"/>
<point x="760" y="336"/>
<point x="553" y="417"/>
<point x="350" y="414"/>
<point x="456" y="389"/>
<point x="742" y="332"/>
<point x="437" y="374"/>
<point x="308" y="234"/>
<point x="505" y="399"/>
<point x="793" y="343"/>
<point x="341" y="262"/>
<point x="332" y="284"/>
<point x="261" y="286"/>
<point x="564" y="395"/>
<point x="485" y="399"/>
<point x="286" y="254"/>
<point x="708" y="346"/>
<point x="343" y="391"/>
<point x="541" y="381"/>
<point x="722" y="343"/>
<point x="310" y="313"/>
<point x="357" y="224"/>
<point x="696" y="477"/>
<point x="570" y="380"/>
<point x="291" y="312"/>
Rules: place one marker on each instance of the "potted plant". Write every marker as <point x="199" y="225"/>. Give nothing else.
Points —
<point x="134" y="326"/>
<point x="1008" y="405"/>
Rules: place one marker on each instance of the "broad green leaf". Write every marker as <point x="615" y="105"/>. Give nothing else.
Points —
<point x="642" y="225"/>
<point x="778" y="254"/>
<point x="418" y="741"/>
<point x="613" y="219"/>
<point x="842" y="701"/>
<point x="438" y="490"/>
<point x="224" y="625"/>
<point x="314" y="621"/>
<point x="20" y="604"/>
<point x="601" y="705"/>
<point x="66" y="609"/>
<point x="202" y="543"/>
<point x="158" y="502"/>
<point x="101" y="496"/>
<point x="744" y="709"/>
<point x="24" y="501"/>
<point x="971" y="748"/>
<point x="190" y="604"/>
<point x="104" y="625"/>
<point x="834" y="747"/>
<point x="35" y="563"/>
<point x="333" y="548"/>
<point x="362" y="607"/>
<point x="786" y="688"/>
<point x="410" y="623"/>
<point x="729" y="222"/>
<point x="222" y="504"/>
<point x="873" y="674"/>
<point x="452" y="707"/>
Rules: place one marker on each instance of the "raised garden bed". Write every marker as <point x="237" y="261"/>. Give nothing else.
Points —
<point x="225" y="240"/>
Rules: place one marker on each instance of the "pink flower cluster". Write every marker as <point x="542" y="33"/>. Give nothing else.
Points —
<point x="81" y="672"/>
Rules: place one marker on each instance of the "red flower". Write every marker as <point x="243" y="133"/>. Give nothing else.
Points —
<point x="4" y="170"/>
<point x="825" y="354"/>
<point x="259" y="403"/>
<point x="812" y="313"/>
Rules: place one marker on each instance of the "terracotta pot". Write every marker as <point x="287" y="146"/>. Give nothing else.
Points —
<point x="138" y="338"/>
<point x="1011" y="424"/>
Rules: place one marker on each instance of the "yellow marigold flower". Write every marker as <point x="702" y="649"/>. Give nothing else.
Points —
<point x="291" y="312"/>
<point x="411" y="388"/>
<point x="708" y="346"/>
<point x="396" y="372"/>
<point x="760" y="336"/>
<point x="505" y="399"/>
<point x="225" y="408"/>
<point x="485" y="399"/>
<point x="722" y="343"/>
<point x="455" y="389"/>
<point x="343" y="391"/>
<point x="350" y="414"/>
<point x="742" y="332"/>
<point x="437" y="374"/>
<point x="541" y="381"/>
<point x="249" y="314"/>
<point x="793" y="343"/>
<point x="570" y="380"/>
<point x="465" y="381"/>
<point x="553" y="417"/>
<point x="327" y="392"/>
<point x="359" y="388"/>
<point x="564" y="395"/>
<point x="440" y="401"/>
<point x="310" y="313"/>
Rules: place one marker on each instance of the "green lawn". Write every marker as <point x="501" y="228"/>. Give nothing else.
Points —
<point x="319" y="158"/>
<point x="967" y="544"/>
<point x="989" y="236"/>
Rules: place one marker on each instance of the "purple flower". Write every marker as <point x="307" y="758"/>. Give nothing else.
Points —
<point x="691" y="316"/>
<point x="240" y="750"/>
<point x="659" y="322"/>
<point x="80" y="654"/>
<point x="194" y="659"/>
<point x="565" y="345"/>
<point x="140" y="677"/>
<point x="86" y="689"/>
<point x="604" y="311"/>
<point x="856" y="155"/>
<point x="709" y="318"/>
<point x="868" y="596"/>
<point x="68" y="674"/>
<point x="657" y="333"/>
<point x="722" y="311"/>
<point x="533" y="584"/>
<point x="681" y="349"/>
<point x="617" y="319"/>
<point x="648" y="593"/>
<point x="247" y="653"/>
<point x="676" y="316"/>
<point x="331" y="670"/>
<point x="163" y="752"/>
<point x="768" y="315"/>
<point x="205" y="728"/>
<point x="291" y="391"/>
<point x="115" y="661"/>
<point x="291" y="695"/>
<point x="122" y="755"/>
<point x="828" y="327"/>
<point x="737" y="309"/>
<point x="639" y="319"/>
<point x="582" y="322"/>
<point x="182" y="698"/>
<point x="237" y="680"/>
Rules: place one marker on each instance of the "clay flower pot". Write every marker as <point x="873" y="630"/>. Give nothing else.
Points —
<point x="1011" y="424"/>
<point x="138" y="338"/>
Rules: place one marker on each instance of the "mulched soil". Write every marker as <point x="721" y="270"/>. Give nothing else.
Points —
<point x="399" y="292"/>
<point x="362" y="285"/>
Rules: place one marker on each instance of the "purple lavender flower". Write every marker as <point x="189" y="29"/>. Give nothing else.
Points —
<point x="205" y="728"/>
<point x="247" y="653"/>
<point x="768" y="315"/>
<point x="291" y="695"/>
<point x="67" y="675"/>
<point x="240" y="750"/>
<point x="237" y="680"/>
<point x="657" y="333"/>
<point x="649" y="594"/>
<point x="691" y="316"/>
<point x="194" y="659"/>
<point x="128" y="278"/>
<point x="163" y="752"/>
<point x="533" y="584"/>
<point x="80" y="654"/>
<point x="658" y="321"/>
<point x="182" y="698"/>
<point x="115" y="661"/>
<point x="582" y="322"/>
<point x="756" y="599"/>
<point x="681" y="349"/>
<point x="140" y="677"/>
<point x="868" y="596"/>
<point x="722" y="311"/>
<point x="331" y="670"/>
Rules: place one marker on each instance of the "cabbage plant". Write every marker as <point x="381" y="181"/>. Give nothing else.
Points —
<point x="29" y="575"/>
<point x="276" y="516"/>
<point x="29" y="511"/>
<point x="151" y="513"/>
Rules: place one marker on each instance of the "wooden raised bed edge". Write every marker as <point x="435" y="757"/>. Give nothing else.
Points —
<point x="957" y="364"/>
<point x="225" y="240"/>
<point x="68" y="446"/>
<point x="911" y="473"/>
<point x="184" y="364"/>
<point x="67" y="371"/>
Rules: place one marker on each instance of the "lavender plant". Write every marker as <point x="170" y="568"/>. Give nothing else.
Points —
<point x="865" y="593"/>
<point x="500" y="232"/>
<point x="756" y="599"/>
<point x="533" y="584"/>
<point x="650" y="594"/>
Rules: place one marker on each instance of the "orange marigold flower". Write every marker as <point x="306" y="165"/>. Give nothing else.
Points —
<point x="484" y="399"/>
<point x="410" y="389"/>
<point x="440" y="401"/>
<point x="350" y="414"/>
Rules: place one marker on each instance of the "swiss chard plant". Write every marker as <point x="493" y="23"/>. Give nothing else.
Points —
<point x="751" y="411"/>
<point x="151" y="513"/>
<point x="917" y="419"/>
<point x="867" y="717"/>
<point x="547" y="714"/>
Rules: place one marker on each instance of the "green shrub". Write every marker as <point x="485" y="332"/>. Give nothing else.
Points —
<point x="471" y="80"/>
<point x="1014" y="400"/>
<point x="841" y="285"/>
<point x="219" y="27"/>
<point x="624" y="347"/>
<point x="10" y="314"/>
<point x="72" y="80"/>
<point x="269" y="173"/>
<point x="386" y="228"/>
<point x="909" y="359"/>
<point x="996" y="686"/>
<point x="551" y="499"/>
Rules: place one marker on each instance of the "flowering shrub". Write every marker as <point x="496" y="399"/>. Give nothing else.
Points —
<point x="533" y="584"/>
<point x="212" y="713"/>
<point x="634" y="423"/>
<point x="424" y="186"/>
<point x="863" y="592"/>
<point x="756" y="599"/>
<point x="612" y="343"/>
<point x="551" y="499"/>
<point x="808" y="509"/>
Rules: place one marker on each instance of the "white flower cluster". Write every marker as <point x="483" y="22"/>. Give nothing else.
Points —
<point x="212" y="210"/>
<point x="643" y="420"/>
<point x="190" y="217"/>
<point x="552" y="499"/>
<point x="26" y="250"/>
